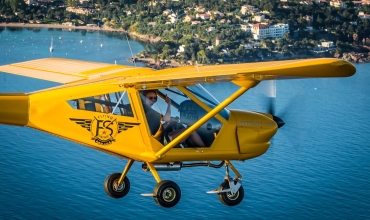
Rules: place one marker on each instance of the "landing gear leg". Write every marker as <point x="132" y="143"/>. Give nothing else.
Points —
<point x="117" y="185"/>
<point x="231" y="191"/>
<point x="166" y="193"/>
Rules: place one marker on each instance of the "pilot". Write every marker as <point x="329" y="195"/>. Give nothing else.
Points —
<point x="150" y="98"/>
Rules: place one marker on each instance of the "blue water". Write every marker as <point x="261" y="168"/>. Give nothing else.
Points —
<point x="318" y="166"/>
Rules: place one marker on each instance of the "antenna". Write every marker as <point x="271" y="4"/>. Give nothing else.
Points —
<point x="132" y="55"/>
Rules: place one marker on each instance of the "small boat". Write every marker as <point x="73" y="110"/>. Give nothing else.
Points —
<point x="51" y="46"/>
<point x="60" y="38"/>
<point x="81" y="41"/>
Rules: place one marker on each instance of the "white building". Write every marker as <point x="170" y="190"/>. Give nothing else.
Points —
<point x="327" y="44"/>
<point x="259" y="18"/>
<point x="338" y="4"/>
<point x="262" y="31"/>
<point x="362" y="15"/>
<point x="246" y="27"/>
<point x="246" y="8"/>
<point x="324" y="47"/>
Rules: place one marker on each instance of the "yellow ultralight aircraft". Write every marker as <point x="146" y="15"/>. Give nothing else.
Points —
<point x="107" y="107"/>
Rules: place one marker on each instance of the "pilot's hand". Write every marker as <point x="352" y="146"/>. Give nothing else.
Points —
<point x="167" y="100"/>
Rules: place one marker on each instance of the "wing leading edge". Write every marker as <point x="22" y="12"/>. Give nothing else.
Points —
<point x="81" y="72"/>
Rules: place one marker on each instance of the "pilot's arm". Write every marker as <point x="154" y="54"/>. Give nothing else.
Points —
<point x="167" y="116"/>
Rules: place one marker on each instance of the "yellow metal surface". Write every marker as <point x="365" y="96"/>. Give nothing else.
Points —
<point x="244" y="135"/>
<point x="67" y="71"/>
<point x="233" y="168"/>
<point x="14" y="109"/>
<point x="125" y="171"/>
<point x="154" y="172"/>
<point x="50" y="112"/>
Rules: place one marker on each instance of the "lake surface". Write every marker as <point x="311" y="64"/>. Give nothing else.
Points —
<point x="318" y="166"/>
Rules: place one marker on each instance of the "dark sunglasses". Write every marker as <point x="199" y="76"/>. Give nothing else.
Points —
<point x="152" y="97"/>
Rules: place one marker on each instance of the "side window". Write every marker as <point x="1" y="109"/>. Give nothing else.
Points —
<point x="116" y="103"/>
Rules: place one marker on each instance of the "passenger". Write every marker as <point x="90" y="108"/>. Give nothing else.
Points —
<point x="151" y="97"/>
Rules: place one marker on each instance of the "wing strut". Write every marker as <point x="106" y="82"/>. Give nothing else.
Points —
<point x="205" y="118"/>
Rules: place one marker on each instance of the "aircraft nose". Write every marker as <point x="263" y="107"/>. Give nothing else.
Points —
<point x="14" y="108"/>
<point x="278" y="121"/>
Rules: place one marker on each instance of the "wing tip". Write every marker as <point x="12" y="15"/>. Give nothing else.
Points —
<point x="350" y="69"/>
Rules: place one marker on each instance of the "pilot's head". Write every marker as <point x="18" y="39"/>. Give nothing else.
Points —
<point x="150" y="97"/>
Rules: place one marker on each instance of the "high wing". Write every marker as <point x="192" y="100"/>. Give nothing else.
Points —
<point x="80" y="72"/>
<point x="63" y="70"/>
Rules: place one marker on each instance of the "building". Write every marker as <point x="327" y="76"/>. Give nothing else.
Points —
<point x="262" y="31"/>
<point x="324" y="47"/>
<point x="83" y="11"/>
<point x="309" y="19"/>
<point x="200" y="8"/>
<point x="189" y="18"/>
<point x="259" y="18"/>
<point x="327" y="44"/>
<point x="195" y="22"/>
<point x="30" y="2"/>
<point x="209" y="29"/>
<point x="338" y="4"/>
<point x="246" y="8"/>
<point x="167" y="12"/>
<point x="362" y="15"/>
<point x="362" y="2"/>
<point x="246" y="27"/>
<point x="216" y="13"/>
<point x="203" y="16"/>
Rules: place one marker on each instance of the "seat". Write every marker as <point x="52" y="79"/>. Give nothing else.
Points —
<point x="154" y="122"/>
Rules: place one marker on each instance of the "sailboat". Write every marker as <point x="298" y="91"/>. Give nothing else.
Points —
<point x="51" y="46"/>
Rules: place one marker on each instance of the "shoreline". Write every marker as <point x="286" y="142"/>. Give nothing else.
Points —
<point x="144" y="38"/>
<point x="353" y="57"/>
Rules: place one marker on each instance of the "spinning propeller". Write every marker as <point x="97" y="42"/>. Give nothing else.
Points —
<point x="271" y="109"/>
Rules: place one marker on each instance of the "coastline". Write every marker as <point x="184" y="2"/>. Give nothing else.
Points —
<point x="144" y="38"/>
<point x="353" y="57"/>
<point x="148" y="61"/>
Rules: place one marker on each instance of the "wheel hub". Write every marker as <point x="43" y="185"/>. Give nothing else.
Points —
<point x="169" y="194"/>
<point x="232" y="196"/>
<point x="118" y="188"/>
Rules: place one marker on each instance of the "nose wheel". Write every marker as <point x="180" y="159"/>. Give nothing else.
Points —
<point x="231" y="191"/>
<point x="227" y="196"/>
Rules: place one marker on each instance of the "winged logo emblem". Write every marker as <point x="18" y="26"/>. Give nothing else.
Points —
<point x="104" y="128"/>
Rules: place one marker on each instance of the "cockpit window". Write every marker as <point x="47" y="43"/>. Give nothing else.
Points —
<point x="116" y="103"/>
<point x="168" y="119"/>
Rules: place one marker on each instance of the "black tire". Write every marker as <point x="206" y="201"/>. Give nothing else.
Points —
<point x="227" y="198"/>
<point x="167" y="193"/>
<point x="112" y="189"/>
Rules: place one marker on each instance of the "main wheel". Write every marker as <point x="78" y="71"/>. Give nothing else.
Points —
<point x="112" y="188"/>
<point x="228" y="198"/>
<point x="167" y="193"/>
